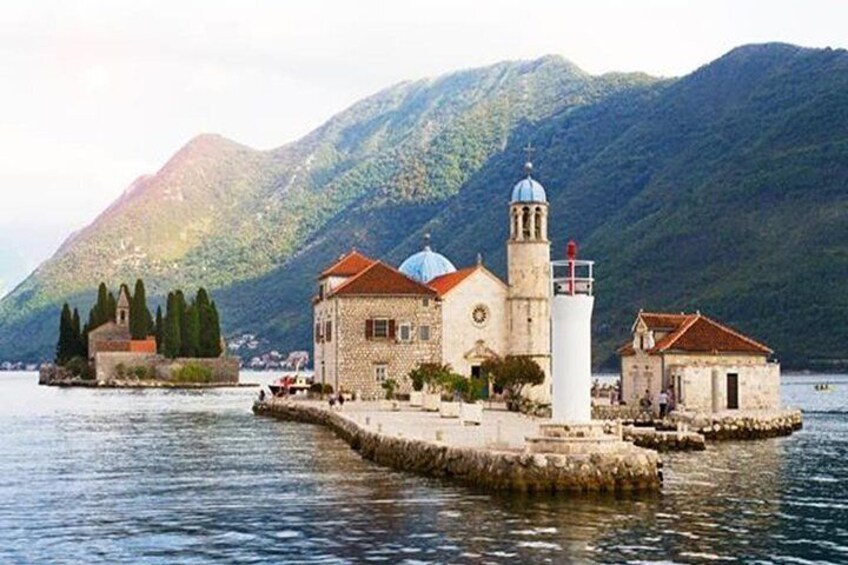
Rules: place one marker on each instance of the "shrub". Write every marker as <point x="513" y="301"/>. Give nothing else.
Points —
<point x="316" y="388"/>
<point x="469" y="390"/>
<point x="192" y="373"/>
<point x="79" y="367"/>
<point x="512" y="374"/>
<point x="389" y="385"/>
<point x="434" y="376"/>
<point x="328" y="389"/>
<point x="141" y="372"/>
<point x="120" y="370"/>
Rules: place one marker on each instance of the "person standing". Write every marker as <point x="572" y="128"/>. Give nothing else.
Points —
<point x="663" y="402"/>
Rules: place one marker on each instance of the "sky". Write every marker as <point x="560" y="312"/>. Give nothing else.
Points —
<point x="95" y="94"/>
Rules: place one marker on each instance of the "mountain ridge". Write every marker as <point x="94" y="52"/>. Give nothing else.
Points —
<point x="626" y="159"/>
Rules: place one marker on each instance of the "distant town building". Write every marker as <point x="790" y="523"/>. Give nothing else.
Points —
<point x="708" y="366"/>
<point x="373" y="322"/>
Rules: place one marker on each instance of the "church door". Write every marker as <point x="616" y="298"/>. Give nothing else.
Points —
<point x="732" y="391"/>
<point x="477" y="376"/>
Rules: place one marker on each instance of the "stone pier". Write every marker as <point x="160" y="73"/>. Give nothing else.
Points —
<point x="493" y="455"/>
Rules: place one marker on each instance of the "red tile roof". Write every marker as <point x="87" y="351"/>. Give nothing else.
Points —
<point x="446" y="282"/>
<point x="348" y="265"/>
<point x="381" y="279"/>
<point x="696" y="333"/>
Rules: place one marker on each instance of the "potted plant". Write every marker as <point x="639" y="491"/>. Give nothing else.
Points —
<point x="418" y="378"/>
<point x="513" y="374"/>
<point x="471" y="409"/>
<point x="430" y="377"/>
<point x="452" y="385"/>
<point x="389" y="403"/>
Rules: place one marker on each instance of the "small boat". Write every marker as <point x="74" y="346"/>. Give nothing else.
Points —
<point x="823" y="387"/>
<point x="292" y="383"/>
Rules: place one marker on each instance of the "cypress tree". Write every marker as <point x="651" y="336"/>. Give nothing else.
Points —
<point x="111" y="309"/>
<point x="204" y="311"/>
<point x="159" y="329"/>
<point x="99" y="313"/>
<point x="65" y="345"/>
<point x="182" y="313"/>
<point x="215" y="350"/>
<point x="139" y="314"/>
<point x="193" y="335"/>
<point x="171" y="342"/>
<point x="77" y="337"/>
<point x="84" y="341"/>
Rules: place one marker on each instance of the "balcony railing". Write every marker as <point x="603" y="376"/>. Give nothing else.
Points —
<point x="571" y="277"/>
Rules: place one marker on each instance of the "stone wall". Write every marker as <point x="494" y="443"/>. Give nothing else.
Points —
<point x="633" y="471"/>
<point x="742" y="425"/>
<point x="759" y="386"/>
<point x="357" y="356"/>
<point x="224" y="369"/>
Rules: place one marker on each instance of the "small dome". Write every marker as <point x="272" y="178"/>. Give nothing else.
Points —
<point x="426" y="265"/>
<point x="528" y="190"/>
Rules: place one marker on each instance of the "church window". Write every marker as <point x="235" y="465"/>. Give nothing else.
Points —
<point x="425" y="302"/>
<point x="328" y="330"/>
<point x="317" y="332"/>
<point x="405" y="332"/>
<point x="525" y="221"/>
<point x="424" y="333"/>
<point x="538" y="223"/>
<point x="381" y="372"/>
<point x="381" y="328"/>
<point x="480" y="314"/>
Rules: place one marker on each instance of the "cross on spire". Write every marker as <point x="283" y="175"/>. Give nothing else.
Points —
<point x="529" y="150"/>
<point x="528" y="165"/>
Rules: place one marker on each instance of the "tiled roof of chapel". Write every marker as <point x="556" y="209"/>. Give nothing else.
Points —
<point x="696" y="333"/>
<point x="380" y="279"/>
<point x="349" y="264"/>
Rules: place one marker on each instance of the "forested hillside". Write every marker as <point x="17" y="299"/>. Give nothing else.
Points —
<point x="725" y="190"/>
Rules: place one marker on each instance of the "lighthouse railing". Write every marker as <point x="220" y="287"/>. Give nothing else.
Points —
<point x="573" y="277"/>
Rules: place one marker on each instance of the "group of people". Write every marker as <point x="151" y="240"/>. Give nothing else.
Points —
<point x="665" y="401"/>
<point x="336" y="399"/>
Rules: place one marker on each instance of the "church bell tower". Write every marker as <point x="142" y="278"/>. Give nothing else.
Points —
<point x="528" y="263"/>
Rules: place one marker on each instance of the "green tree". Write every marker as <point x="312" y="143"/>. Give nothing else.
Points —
<point x="140" y="319"/>
<point x="512" y="373"/>
<point x="171" y="341"/>
<point x="193" y="329"/>
<point x="99" y="313"/>
<point x="434" y="376"/>
<point x="159" y="329"/>
<point x="215" y="336"/>
<point x="182" y="313"/>
<point x="65" y="345"/>
<point x="111" y="307"/>
<point x="78" y="337"/>
<point x="210" y="331"/>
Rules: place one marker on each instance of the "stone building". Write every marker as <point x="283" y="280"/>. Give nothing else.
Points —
<point x="708" y="366"/>
<point x="114" y="337"/>
<point x="373" y="322"/>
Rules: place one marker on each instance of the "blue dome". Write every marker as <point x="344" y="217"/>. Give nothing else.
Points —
<point x="426" y="265"/>
<point x="528" y="190"/>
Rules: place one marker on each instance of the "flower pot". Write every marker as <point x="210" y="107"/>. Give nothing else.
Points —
<point x="416" y="398"/>
<point x="449" y="410"/>
<point x="431" y="402"/>
<point x="471" y="413"/>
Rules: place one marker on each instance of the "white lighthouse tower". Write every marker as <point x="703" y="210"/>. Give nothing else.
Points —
<point x="571" y="338"/>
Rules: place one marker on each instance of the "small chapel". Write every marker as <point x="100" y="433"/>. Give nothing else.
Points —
<point x="374" y="321"/>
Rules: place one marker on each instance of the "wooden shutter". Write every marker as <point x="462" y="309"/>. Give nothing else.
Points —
<point x="391" y="329"/>
<point x="317" y="332"/>
<point x="328" y="331"/>
<point x="369" y="328"/>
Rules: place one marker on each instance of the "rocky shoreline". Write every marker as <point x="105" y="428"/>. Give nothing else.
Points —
<point x="743" y="425"/>
<point x="629" y="470"/>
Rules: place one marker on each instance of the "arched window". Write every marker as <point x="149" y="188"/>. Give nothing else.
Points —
<point x="538" y="223"/>
<point x="525" y="221"/>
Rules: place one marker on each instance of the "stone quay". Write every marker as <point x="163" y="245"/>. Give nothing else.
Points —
<point x="495" y="455"/>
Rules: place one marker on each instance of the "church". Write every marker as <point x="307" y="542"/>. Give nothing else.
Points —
<point x="374" y="322"/>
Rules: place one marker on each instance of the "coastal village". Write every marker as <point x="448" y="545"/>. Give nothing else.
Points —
<point x="413" y="367"/>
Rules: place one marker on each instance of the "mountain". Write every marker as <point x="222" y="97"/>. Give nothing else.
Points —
<point x="725" y="190"/>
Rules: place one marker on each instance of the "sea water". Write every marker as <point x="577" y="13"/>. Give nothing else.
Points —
<point x="169" y="476"/>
